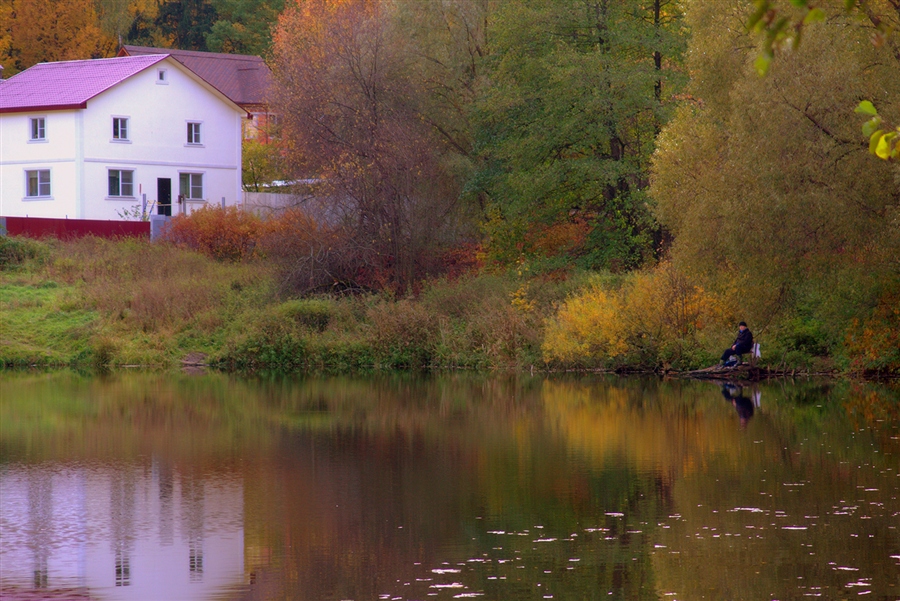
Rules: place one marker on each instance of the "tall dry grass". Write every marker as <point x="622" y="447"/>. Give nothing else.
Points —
<point x="155" y="298"/>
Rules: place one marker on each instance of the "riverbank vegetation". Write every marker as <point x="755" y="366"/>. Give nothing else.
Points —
<point x="98" y="303"/>
<point x="518" y="184"/>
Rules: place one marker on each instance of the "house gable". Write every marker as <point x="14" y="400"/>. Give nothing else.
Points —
<point x="67" y="84"/>
<point x="71" y="84"/>
<point x="243" y="78"/>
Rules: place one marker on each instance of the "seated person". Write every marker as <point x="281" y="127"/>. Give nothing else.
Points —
<point x="742" y="344"/>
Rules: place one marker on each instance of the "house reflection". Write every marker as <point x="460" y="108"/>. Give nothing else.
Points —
<point x="126" y="531"/>
<point x="40" y="497"/>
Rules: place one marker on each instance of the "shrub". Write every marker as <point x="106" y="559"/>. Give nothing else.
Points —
<point x="314" y="314"/>
<point x="402" y="332"/>
<point x="467" y="295"/>
<point x="16" y="250"/>
<point x="308" y="256"/>
<point x="225" y="234"/>
<point x="873" y="343"/>
<point x="650" y="317"/>
<point x="488" y="320"/>
<point x="587" y="327"/>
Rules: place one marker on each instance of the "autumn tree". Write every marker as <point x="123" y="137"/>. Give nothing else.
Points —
<point x="38" y="31"/>
<point x="448" y="43"/>
<point x="766" y="183"/>
<point x="130" y="21"/>
<point x="572" y="96"/>
<point x="261" y="164"/>
<point x="352" y="117"/>
<point x="6" y="58"/>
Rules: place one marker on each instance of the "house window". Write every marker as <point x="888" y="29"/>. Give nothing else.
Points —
<point x="193" y="132"/>
<point x="38" y="128"/>
<point x="161" y="76"/>
<point x="121" y="182"/>
<point x="191" y="186"/>
<point x="37" y="183"/>
<point x="120" y="128"/>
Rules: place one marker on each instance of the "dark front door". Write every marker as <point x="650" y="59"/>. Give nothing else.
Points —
<point x="164" y="196"/>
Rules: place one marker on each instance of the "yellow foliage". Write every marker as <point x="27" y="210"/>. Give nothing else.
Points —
<point x="6" y="59"/>
<point x="664" y="304"/>
<point x="520" y="299"/>
<point x="589" y="324"/>
<point x="39" y="31"/>
<point x="651" y="309"/>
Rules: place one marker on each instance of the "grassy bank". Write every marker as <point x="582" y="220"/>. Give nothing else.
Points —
<point x="99" y="303"/>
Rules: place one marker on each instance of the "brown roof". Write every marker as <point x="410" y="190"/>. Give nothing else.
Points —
<point x="243" y="78"/>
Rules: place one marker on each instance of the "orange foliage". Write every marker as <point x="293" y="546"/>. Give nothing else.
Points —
<point x="874" y="343"/>
<point x="463" y="260"/>
<point x="227" y="234"/>
<point x="558" y="238"/>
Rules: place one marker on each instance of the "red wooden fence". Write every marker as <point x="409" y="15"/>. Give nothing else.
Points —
<point x="40" y="227"/>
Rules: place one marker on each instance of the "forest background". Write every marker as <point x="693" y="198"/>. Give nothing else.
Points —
<point x="508" y="183"/>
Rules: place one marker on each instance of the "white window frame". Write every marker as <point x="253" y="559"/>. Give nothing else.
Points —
<point x="192" y="186"/>
<point x="40" y="184"/>
<point x="120" y="183"/>
<point x="39" y="124"/>
<point x="194" y="133"/>
<point x="162" y="77"/>
<point x="118" y="120"/>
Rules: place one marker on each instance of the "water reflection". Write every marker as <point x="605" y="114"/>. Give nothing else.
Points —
<point x="744" y="405"/>
<point x="79" y="529"/>
<point x="445" y="487"/>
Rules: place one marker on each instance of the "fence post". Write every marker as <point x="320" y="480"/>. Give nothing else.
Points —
<point x="144" y="207"/>
<point x="223" y="203"/>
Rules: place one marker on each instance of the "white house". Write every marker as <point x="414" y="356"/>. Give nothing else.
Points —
<point x="86" y="139"/>
<point x="244" y="78"/>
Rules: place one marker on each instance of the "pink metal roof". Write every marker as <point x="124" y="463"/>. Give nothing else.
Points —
<point x="68" y="84"/>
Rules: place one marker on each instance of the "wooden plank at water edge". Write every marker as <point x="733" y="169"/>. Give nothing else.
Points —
<point x="744" y="371"/>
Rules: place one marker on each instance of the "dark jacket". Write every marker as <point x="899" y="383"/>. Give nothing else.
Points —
<point x="744" y="341"/>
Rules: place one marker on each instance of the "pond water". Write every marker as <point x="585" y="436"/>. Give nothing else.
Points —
<point x="164" y="487"/>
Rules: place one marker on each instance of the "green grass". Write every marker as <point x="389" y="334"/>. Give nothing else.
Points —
<point x="101" y="303"/>
<point x="40" y="324"/>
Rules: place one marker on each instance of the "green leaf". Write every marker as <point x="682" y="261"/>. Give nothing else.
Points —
<point x="800" y="3"/>
<point x="755" y="22"/>
<point x="762" y="62"/>
<point x="866" y="108"/>
<point x="795" y="41"/>
<point x="779" y="30"/>
<point x="815" y="15"/>
<point x="871" y="126"/>
<point x="883" y="150"/>
<point x="849" y="5"/>
<point x="874" y="139"/>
